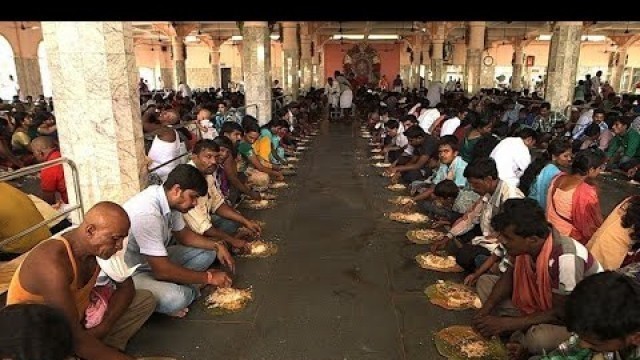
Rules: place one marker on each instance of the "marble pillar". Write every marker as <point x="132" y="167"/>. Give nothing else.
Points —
<point x="291" y="60"/>
<point x="473" y="62"/>
<point x="166" y="74"/>
<point x="615" y="72"/>
<point x="305" y="62"/>
<point x="29" y="79"/>
<point x="215" y="67"/>
<point x="179" y="67"/>
<point x="256" y="57"/>
<point x="516" y="77"/>
<point x="316" y="79"/>
<point x="95" y="87"/>
<point x="437" y="63"/>
<point x="487" y="76"/>
<point x="564" y="53"/>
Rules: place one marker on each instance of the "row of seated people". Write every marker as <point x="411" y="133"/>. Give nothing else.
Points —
<point x="155" y="252"/>
<point x="465" y="183"/>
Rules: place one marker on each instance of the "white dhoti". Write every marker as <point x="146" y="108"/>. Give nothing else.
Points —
<point x="346" y="99"/>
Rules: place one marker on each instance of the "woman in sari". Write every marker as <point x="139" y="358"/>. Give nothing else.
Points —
<point x="573" y="207"/>
<point x="535" y="181"/>
<point x="480" y="126"/>
<point x="616" y="244"/>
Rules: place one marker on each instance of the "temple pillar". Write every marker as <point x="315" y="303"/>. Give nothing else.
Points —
<point x="564" y="53"/>
<point x="518" y="66"/>
<point x="305" y="62"/>
<point x="256" y="57"/>
<point x="214" y="52"/>
<point x="473" y="62"/>
<point x="291" y="59"/>
<point x="179" y="67"/>
<point x="615" y="71"/>
<point x="95" y="87"/>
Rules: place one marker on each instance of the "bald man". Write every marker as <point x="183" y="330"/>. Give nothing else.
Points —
<point x="54" y="189"/>
<point x="62" y="271"/>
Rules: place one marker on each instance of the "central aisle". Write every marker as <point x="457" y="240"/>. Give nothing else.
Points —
<point x="344" y="284"/>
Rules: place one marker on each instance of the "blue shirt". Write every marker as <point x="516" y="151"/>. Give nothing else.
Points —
<point x="540" y="186"/>
<point x="453" y="171"/>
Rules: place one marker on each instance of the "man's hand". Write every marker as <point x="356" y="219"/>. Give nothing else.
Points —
<point x="439" y="244"/>
<point x="632" y="172"/>
<point x="218" y="278"/>
<point x="254" y="195"/>
<point x="254" y="227"/>
<point x="225" y="257"/>
<point x="408" y="207"/>
<point x="493" y="325"/>
<point x="471" y="279"/>
<point x="279" y="177"/>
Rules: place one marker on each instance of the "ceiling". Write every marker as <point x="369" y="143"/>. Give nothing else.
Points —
<point x="156" y="32"/>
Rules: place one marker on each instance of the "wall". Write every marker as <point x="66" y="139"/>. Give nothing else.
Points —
<point x="198" y="66"/>
<point x="459" y="53"/>
<point x="389" y="58"/>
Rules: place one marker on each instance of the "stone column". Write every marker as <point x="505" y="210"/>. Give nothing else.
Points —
<point x="564" y="53"/>
<point x="516" y="77"/>
<point x="415" y="66"/>
<point x="28" y="74"/>
<point x="95" y="87"/>
<point x="215" y="66"/>
<point x="473" y="63"/>
<point x="179" y="67"/>
<point x="167" y="78"/>
<point x="487" y="74"/>
<point x="615" y="72"/>
<point x="305" y="62"/>
<point x="316" y="79"/>
<point x="256" y="57"/>
<point x="291" y="61"/>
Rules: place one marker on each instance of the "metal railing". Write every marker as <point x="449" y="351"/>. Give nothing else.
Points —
<point x="169" y="162"/>
<point x="34" y="169"/>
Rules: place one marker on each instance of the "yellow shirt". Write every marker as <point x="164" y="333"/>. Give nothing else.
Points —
<point x="611" y="242"/>
<point x="17" y="212"/>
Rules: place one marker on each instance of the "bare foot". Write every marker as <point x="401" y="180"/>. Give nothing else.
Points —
<point x="180" y="313"/>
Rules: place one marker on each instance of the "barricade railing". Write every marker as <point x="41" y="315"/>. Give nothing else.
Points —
<point x="34" y="169"/>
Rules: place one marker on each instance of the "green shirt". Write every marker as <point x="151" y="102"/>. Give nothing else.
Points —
<point x="246" y="151"/>
<point x="629" y="142"/>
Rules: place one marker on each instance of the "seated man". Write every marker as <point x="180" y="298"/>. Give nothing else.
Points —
<point x="238" y="181"/>
<point x="17" y="213"/>
<point x="624" y="149"/>
<point x="51" y="179"/>
<point x="397" y="140"/>
<point x="512" y="155"/>
<point x="451" y="168"/>
<point x="204" y="158"/>
<point x="425" y="147"/>
<point x="528" y="299"/>
<point x="62" y="271"/>
<point x="474" y="229"/>
<point x="250" y="163"/>
<point x="172" y="271"/>
<point x="602" y="311"/>
<point x="34" y="331"/>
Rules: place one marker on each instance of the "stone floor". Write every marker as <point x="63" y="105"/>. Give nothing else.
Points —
<point x="344" y="284"/>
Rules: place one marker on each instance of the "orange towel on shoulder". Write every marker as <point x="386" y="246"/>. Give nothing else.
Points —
<point x="532" y="290"/>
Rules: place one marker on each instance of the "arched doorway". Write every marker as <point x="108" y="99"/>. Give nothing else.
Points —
<point x="44" y="70"/>
<point x="7" y="67"/>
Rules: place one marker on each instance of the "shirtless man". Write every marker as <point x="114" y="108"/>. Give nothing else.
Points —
<point x="62" y="271"/>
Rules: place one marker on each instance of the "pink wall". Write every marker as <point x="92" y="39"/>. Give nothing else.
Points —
<point x="389" y="59"/>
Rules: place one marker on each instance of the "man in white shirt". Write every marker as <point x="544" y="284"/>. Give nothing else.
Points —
<point x="585" y="120"/>
<point x="429" y="116"/>
<point x="184" y="89"/>
<point x="172" y="272"/>
<point x="434" y="91"/>
<point x="451" y="125"/>
<point x="512" y="155"/>
<point x="395" y="130"/>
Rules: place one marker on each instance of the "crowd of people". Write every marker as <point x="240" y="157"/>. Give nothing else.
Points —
<point x="512" y="182"/>
<point x="162" y="247"/>
<point x="513" y="186"/>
